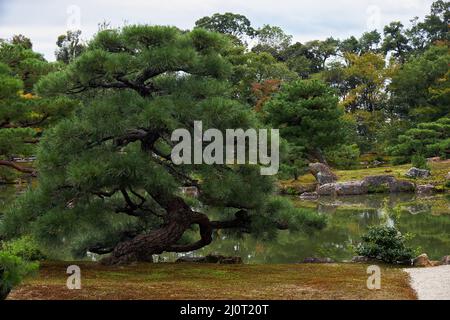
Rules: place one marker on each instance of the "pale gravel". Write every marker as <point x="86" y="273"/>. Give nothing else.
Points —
<point x="431" y="283"/>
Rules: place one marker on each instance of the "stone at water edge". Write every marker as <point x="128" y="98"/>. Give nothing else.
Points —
<point x="418" y="173"/>
<point x="422" y="261"/>
<point x="328" y="189"/>
<point x="350" y="188"/>
<point x="425" y="189"/>
<point x="402" y="186"/>
<point x="309" y="196"/>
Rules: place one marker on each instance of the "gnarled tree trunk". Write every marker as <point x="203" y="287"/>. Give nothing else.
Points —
<point x="179" y="219"/>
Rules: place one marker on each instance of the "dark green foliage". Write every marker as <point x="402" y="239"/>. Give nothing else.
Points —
<point x="420" y="88"/>
<point x="386" y="244"/>
<point x="23" y="116"/>
<point x="343" y="157"/>
<point x="12" y="270"/>
<point x="235" y="25"/>
<point x="307" y="114"/>
<point x="426" y="140"/>
<point x="419" y="161"/>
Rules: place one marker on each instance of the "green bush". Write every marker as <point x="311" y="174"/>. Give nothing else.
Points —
<point x="12" y="270"/>
<point x="24" y="247"/>
<point x="386" y="244"/>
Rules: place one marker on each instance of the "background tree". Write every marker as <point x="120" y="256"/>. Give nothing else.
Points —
<point x="362" y="86"/>
<point x="106" y="179"/>
<point x="251" y="70"/>
<point x="420" y="88"/>
<point x="307" y="113"/>
<point x="434" y="27"/>
<point x="23" y="115"/>
<point x="236" y="25"/>
<point x="271" y="39"/>
<point x="21" y="40"/>
<point x="430" y="139"/>
<point x="396" y="41"/>
<point x="70" y="46"/>
<point x="26" y="64"/>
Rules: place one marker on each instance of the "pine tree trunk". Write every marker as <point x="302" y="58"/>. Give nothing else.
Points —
<point x="164" y="239"/>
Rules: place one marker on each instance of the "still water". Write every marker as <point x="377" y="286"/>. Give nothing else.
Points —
<point x="428" y="219"/>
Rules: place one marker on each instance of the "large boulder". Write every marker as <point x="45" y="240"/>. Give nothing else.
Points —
<point x="376" y="181"/>
<point x="446" y="260"/>
<point x="322" y="173"/>
<point x="418" y="173"/>
<point x="425" y="189"/>
<point x="350" y="188"/>
<point x="422" y="261"/>
<point x="328" y="189"/>
<point x="402" y="186"/>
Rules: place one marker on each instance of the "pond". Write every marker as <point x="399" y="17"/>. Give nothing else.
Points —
<point x="428" y="219"/>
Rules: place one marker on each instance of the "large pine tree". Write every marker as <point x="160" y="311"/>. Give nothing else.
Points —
<point x="106" y="180"/>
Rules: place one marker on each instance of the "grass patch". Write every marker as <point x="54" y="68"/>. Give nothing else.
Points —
<point x="211" y="281"/>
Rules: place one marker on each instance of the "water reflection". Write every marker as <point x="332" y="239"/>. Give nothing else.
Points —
<point x="348" y="218"/>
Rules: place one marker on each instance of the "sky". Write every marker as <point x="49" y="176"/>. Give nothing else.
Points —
<point x="44" y="20"/>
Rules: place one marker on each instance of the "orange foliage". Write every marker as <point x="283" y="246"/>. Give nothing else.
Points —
<point x="263" y="91"/>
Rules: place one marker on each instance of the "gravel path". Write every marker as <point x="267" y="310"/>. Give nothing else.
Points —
<point x="431" y="283"/>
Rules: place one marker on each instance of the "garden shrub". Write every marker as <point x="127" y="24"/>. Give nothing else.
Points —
<point x="24" y="247"/>
<point x="386" y="244"/>
<point x="12" y="270"/>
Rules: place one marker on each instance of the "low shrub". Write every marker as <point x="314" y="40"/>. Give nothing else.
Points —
<point x="386" y="244"/>
<point x="24" y="247"/>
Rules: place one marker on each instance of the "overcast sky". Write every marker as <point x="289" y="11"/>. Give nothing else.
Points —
<point x="44" y="20"/>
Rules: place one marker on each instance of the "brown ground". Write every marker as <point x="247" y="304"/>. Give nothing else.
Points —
<point x="207" y="281"/>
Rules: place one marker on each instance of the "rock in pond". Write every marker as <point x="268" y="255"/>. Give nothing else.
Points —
<point x="401" y="186"/>
<point x="425" y="189"/>
<point x="418" y="173"/>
